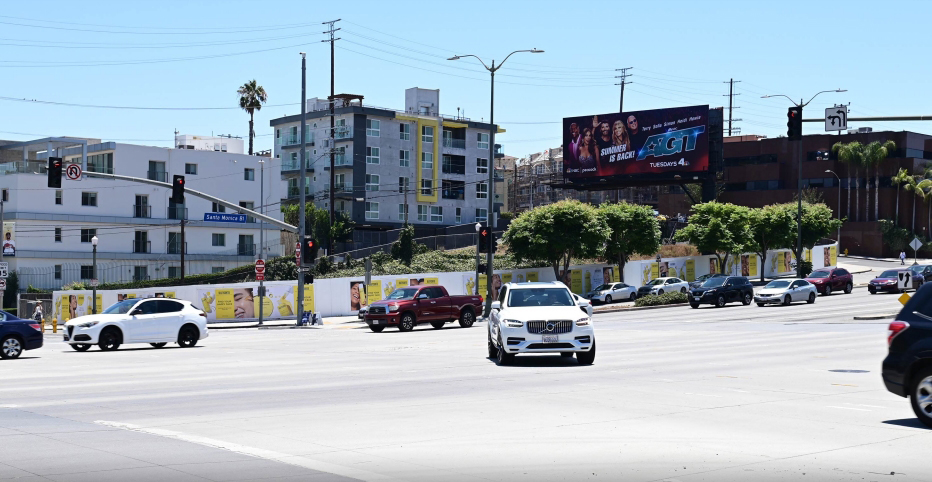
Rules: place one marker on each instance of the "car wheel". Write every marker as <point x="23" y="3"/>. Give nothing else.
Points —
<point x="502" y="357"/>
<point x="920" y="396"/>
<point x="659" y="292"/>
<point x="811" y="299"/>
<point x="872" y="291"/>
<point x="566" y="354"/>
<point x="848" y="288"/>
<point x="747" y="299"/>
<point x="608" y="299"/>
<point x="720" y="302"/>
<point x="586" y="357"/>
<point x="406" y="323"/>
<point x="683" y="290"/>
<point x="376" y="328"/>
<point x="158" y="345"/>
<point x="787" y="300"/>
<point x="694" y="305"/>
<point x="493" y="350"/>
<point x="633" y="297"/>
<point x="80" y="347"/>
<point x="828" y="290"/>
<point x="436" y="324"/>
<point x="467" y="318"/>
<point x="109" y="340"/>
<point x="187" y="337"/>
<point x="760" y="304"/>
<point x="11" y="348"/>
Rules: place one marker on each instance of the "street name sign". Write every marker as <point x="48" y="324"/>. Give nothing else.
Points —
<point x="225" y="218"/>
<point x="836" y="119"/>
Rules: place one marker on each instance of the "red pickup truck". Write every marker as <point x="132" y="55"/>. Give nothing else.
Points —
<point x="406" y="307"/>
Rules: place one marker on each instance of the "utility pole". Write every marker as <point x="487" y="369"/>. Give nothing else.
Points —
<point x="182" y="241"/>
<point x="302" y="199"/>
<point x="624" y="76"/>
<point x="331" y="31"/>
<point x="731" y="96"/>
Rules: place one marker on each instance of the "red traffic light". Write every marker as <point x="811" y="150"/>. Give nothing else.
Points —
<point x="310" y="244"/>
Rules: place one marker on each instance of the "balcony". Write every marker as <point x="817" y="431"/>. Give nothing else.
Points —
<point x="24" y="167"/>
<point x="245" y="249"/>
<point x="454" y="143"/>
<point x="295" y="165"/>
<point x="174" y="247"/>
<point x="160" y="176"/>
<point x="177" y="212"/>
<point x="142" y="246"/>
<point x="340" y="160"/>
<point x="142" y="211"/>
<point x="499" y="152"/>
<point x="343" y="132"/>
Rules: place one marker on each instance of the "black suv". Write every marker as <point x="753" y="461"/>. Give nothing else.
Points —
<point x="907" y="370"/>
<point x="721" y="290"/>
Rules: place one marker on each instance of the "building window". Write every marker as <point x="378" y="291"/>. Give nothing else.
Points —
<point x="58" y="197"/>
<point x="372" y="182"/>
<point x="372" y="127"/>
<point x="482" y="140"/>
<point x="372" y="155"/>
<point x="218" y="239"/>
<point x="174" y="272"/>
<point x="218" y="208"/>
<point x="403" y="212"/>
<point x="6" y="195"/>
<point x="403" y="184"/>
<point x="453" y="189"/>
<point x="404" y="158"/>
<point x="405" y="131"/>
<point x="427" y="160"/>
<point x="57" y="271"/>
<point x="427" y="134"/>
<point x="340" y="181"/>
<point x="459" y="215"/>
<point x="190" y="169"/>
<point x="217" y="269"/>
<point x="453" y="165"/>
<point x="372" y="210"/>
<point x="250" y="206"/>
<point x="249" y="174"/>
<point x="57" y="235"/>
<point x="427" y="187"/>
<point x="482" y="166"/>
<point x="87" y="234"/>
<point x="482" y="190"/>
<point x="245" y="247"/>
<point x="87" y="271"/>
<point x="100" y="163"/>
<point x="436" y="214"/>
<point x="422" y="212"/>
<point x="140" y="273"/>
<point x="481" y="215"/>
<point x="89" y="199"/>
<point x="294" y="159"/>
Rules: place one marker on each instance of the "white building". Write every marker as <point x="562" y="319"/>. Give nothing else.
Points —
<point x="233" y="145"/>
<point x="138" y="228"/>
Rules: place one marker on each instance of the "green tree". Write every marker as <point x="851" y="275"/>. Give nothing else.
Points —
<point x="719" y="228"/>
<point x="772" y="227"/>
<point x="817" y="223"/>
<point x="317" y="223"/>
<point x="895" y="237"/>
<point x="912" y="186"/>
<point x="924" y="190"/>
<point x="557" y="233"/>
<point x="251" y="98"/>
<point x="851" y="154"/>
<point x="403" y="248"/>
<point x="635" y="230"/>
<point x="900" y="177"/>
<point x="873" y="154"/>
<point x="9" y="295"/>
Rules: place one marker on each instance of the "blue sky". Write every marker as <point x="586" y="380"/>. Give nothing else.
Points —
<point x="194" y="54"/>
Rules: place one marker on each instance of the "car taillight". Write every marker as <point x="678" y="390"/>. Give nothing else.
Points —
<point x="203" y="314"/>
<point x="896" y="328"/>
<point x="35" y="326"/>
<point x="481" y="299"/>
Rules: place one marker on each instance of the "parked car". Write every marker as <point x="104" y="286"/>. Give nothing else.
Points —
<point x="660" y="286"/>
<point x="719" y="291"/>
<point x="362" y="313"/>
<point x="886" y="281"/>
<point x="703" y="278"/>
<point x="786" y="291"/>
<point x="583" y="304"/>
<point x="156" y="321"/>
<point x="18" y="335"/>
<point x="539" y="318"/>
<point x="407" y="307"/>
<point x="610" y="292"/>
<point x="827" y="280"/>
<point x="921" y="273"/>
<point x="907" y="369"/>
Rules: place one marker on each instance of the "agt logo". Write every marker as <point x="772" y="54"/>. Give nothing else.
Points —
<point x="671" y="142"/>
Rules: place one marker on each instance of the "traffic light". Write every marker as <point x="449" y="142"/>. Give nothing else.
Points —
<point x="54" y="172"/>
<point x="794" y="123"/>
<point x="309" y="251"/>
<point x="486" y="239"/>
<point x="177" y="189"/>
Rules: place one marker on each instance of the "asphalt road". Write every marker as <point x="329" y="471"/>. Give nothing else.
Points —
<point x="739" y="393"/>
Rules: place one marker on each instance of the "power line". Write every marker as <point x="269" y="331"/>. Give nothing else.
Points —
<point x="130" y="32"/>
<point x="120" y="45"/>
<point x="624" y="76"/>
<point x="125" y="107"/>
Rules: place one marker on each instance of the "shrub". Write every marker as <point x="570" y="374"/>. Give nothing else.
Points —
<point x="664" y="299"/>
<point x="806" y="268"/>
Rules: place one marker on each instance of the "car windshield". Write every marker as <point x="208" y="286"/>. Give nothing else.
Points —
<point x="603" y="287"/>
<point x="540" y="297"/>
<point x="818" y="274"/>
<point x="120" y="308"/>
<point x="916" y="268"/>
<point x="890" y="273"/>
<point x="713" y="282"/>
<point x="655" y="282"/>
<point x="777" y="284"/>
<point x="402" y="294"/>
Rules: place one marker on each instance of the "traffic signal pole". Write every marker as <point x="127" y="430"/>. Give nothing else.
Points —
<point x="302" y="199"/>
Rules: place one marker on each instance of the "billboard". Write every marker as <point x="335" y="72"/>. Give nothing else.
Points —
<point x="631" y="143"/>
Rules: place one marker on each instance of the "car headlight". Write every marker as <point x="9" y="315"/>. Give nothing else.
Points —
<point x="713" y="290"/>
<point x="393" y="307"/>
<point x="583" y="321"/>
<point x="514" y="323"/>
<point x="88" y="324"/>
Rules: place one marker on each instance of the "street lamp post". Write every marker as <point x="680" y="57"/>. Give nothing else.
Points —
<point x="837" y="213"/>
<point x="799" y="181"/>
<point x="488" y="215"/>
<point x="94" y="277"/>
<point x="478" y="228"/>
<point x="261" y="233"/>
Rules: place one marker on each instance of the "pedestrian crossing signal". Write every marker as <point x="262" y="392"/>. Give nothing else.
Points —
<point x="486" y="239"/>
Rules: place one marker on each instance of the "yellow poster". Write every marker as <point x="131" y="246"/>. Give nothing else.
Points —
<point x="387" y="288"/>
<point x="781" y="261"/>
<point x="654" y="270"/>
<point x="506" y="277"/>
<point x="833" y="255"/>
<point x="752" y="262"/>
<point x="226" y="309"/>
<point x="808" y="254"/>
<point x="431" y="281"/>
<point x="483" y="290"/>
<point x="617" y="274"/>
<point x="169" y="294"/>
<point x="374" y="291"/>
<point x="100" y="302"/>
<point x="587" y="286"/>
<point x="690" y="269"/>
<point x="131" y="296"/>
<point x="267" y="307"/>
<point x="576" y="281"/>
<point x="532" y="276"/>
<point x="308" y="297"/>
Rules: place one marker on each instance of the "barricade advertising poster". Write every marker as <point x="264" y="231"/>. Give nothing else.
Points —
<point x="576" y="281"/>
<point x="357" y="295"/>
<point x="242" y="303"/>
<point x="690" y="270"/>
<point x="752" y="265"/>
<point x="532" y="276"/>
<point x="587" y="282"/>
<point x="374" y="291"/>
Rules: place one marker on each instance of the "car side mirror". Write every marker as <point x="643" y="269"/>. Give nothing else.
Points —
<point x="422" y="296"/>
<point x="135" y="312"/>
<point x="496" y="305"/>
<point x="582" y="302"/>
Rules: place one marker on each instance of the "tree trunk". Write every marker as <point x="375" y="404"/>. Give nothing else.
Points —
<point x="763" y="262"/>
<point x="867" y="198"/>
<point x="896" y="219"/>
<point x="721" y="263"/>
<point x="251" y="133"/>
<point x="849" y="195"/>
<point x="876" y="193"/>
<point x="857" y="195"/>
<point x="914" y="213"/>
<point x="621" y="268"/>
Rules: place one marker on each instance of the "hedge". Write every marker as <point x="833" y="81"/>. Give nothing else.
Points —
<point x="664" y="299"/>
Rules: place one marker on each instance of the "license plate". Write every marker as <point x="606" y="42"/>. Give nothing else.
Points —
<point x="551" y="338"/>
<point x="697" y="298"/>
<point x="376" y="322"/>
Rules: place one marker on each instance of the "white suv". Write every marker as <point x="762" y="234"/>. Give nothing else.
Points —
<point x="540" y="318"/>
<point x="156" y="321"/>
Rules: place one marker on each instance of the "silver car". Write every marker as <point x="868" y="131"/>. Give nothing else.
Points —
<point x="610" y="292"/>
<point x="786" y="291"/>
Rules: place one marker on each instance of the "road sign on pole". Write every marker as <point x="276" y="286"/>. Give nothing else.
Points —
<point x="73" y="171"/>
<point x="4" y="270"/>
<point x="2" y="284"/>
<point x="297" y="252"/>
<point x="260" y="266"/>
<point x="836" y="118"/>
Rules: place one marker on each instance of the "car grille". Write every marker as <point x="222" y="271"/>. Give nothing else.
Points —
<point x="555" y="327"/>
<point x="549" y="346"/>
<point x="70" y="331"/>
<point x="377" y="310"/>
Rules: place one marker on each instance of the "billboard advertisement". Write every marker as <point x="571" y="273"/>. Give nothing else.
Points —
<point x="631" y="143"/>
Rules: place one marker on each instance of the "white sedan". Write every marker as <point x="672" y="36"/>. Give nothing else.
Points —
<point x="786" y="291"/>
<point x="660" y="286"/>
<point x="610" y="292"/>
<point x="156" y="321"/>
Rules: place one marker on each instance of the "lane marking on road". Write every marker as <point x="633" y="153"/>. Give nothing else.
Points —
<point x="848" y="408"/>
<point x="9" y="406"/>
<point x="296" y="460"/>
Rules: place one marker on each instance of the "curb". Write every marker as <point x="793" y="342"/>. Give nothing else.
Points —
<point x="875" y="317"/>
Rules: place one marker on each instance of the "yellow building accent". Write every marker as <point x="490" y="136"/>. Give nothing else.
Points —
<point x="458" y="125"/>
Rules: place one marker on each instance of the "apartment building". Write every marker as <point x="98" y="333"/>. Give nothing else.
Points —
<point x="389" y="164"/>
<point x="231" y="144"/>
<point x="138" y="228"/>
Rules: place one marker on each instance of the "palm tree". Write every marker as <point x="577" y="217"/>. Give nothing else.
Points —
<point x="900" y="177"/>
<point x="849" y="154"/>
<point x="873" y="154"/>
<point x="251" y="98"/>
<point x="925" y="191"/>
<point x="912" y="186"/>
